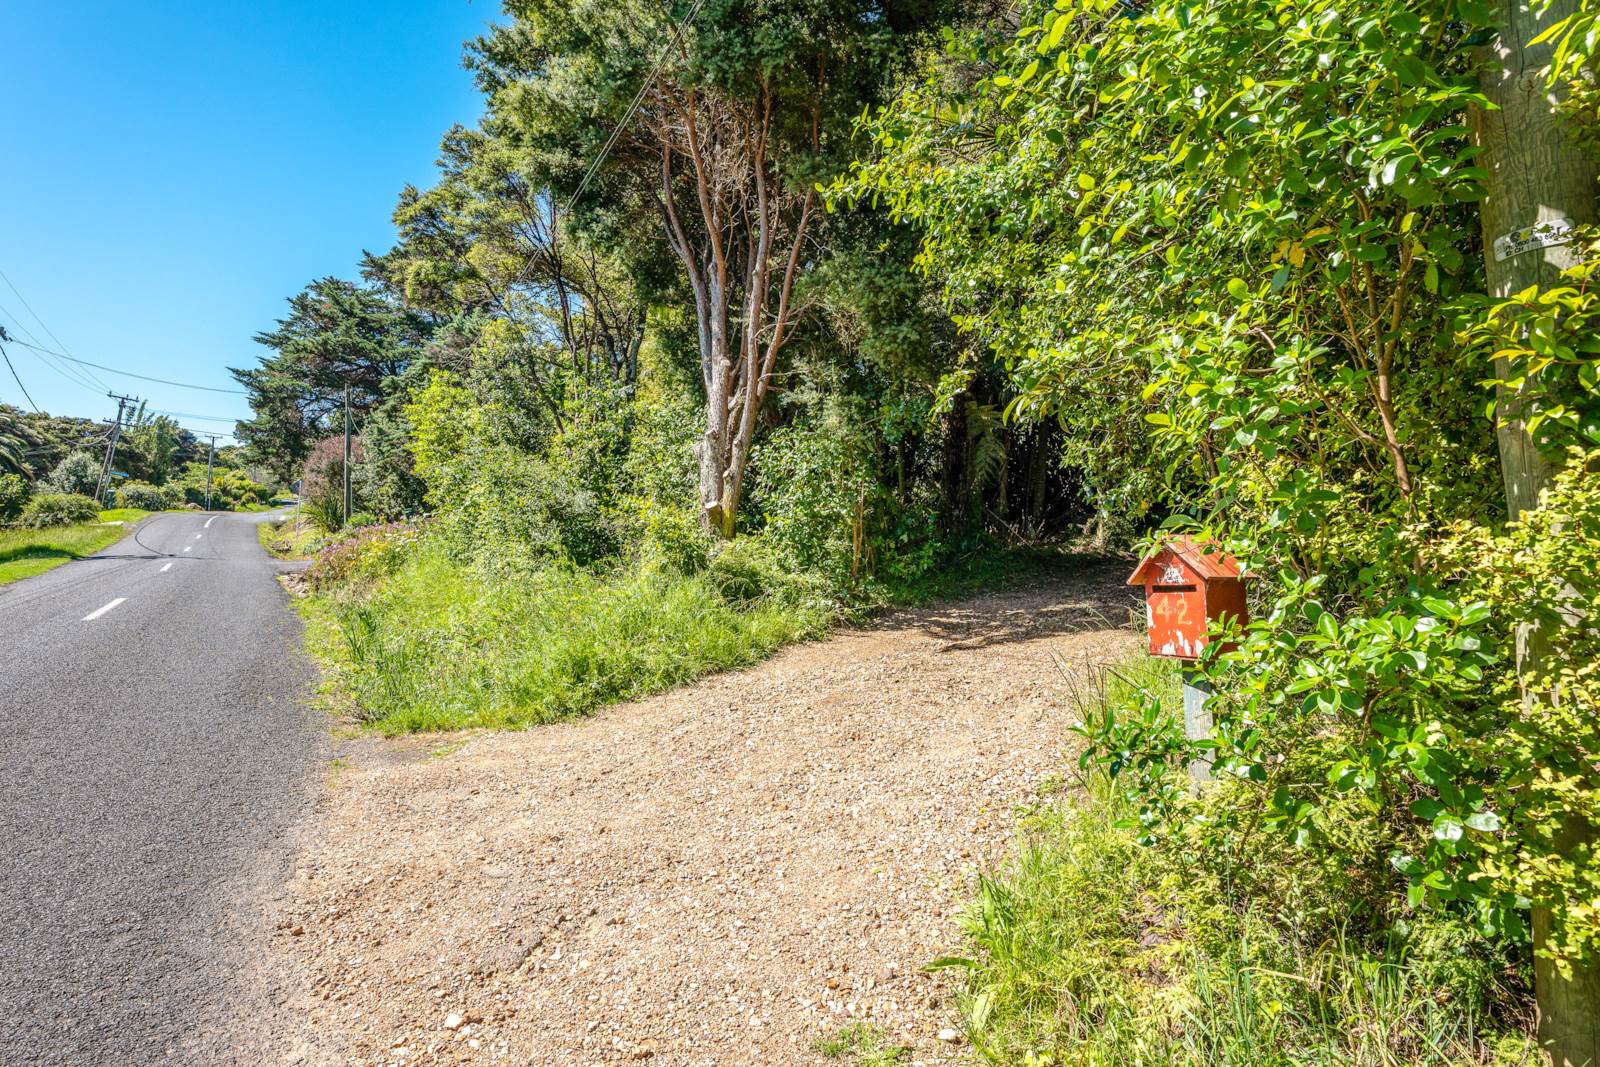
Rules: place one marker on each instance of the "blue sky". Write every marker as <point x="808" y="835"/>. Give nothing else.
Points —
<point x="172" y="172"/>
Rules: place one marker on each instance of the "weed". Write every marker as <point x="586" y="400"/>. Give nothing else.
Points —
<point x="865" y="1045"/>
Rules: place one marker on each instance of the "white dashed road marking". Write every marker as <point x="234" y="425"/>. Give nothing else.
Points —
<point x="209" y="521"/>
<point x="167" y="568"/>
<point x="188" y="548"/>
<point x="97" y="612"/>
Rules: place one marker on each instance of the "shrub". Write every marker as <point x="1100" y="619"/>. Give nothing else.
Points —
<point x="366" y="552"/>
<point x="79" y="473"/>
<point x="144" y="496"/>
<point x="326" y="514"/>
<point x="14" y="494"/>
<point x="58" y="509"/>
<point x="1089" y="948"/>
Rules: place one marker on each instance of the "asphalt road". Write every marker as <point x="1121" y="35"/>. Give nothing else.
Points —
<point x="156" y="761"/>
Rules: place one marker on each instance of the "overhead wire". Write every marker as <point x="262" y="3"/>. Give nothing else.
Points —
<point x="141" y="377"/>
<point x="18" y="379"/>
<point x="644" y="87"/>
<point x="72" y="374"/>
<point x="42" y="324"/>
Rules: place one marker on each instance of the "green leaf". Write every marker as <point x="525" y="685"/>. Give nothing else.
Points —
<point x="1238" y="289"/>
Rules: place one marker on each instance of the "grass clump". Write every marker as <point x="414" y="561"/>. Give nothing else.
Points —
<point x="296" y="537"/>
<point x="863" y="1045"/>
<point x="421" y="640"/>
<point x="27" y="552"/>
<point x="1091" y="947"/>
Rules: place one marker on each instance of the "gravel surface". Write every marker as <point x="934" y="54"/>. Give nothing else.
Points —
<point x="157" y="762"/>
<point x="718" y="875"/>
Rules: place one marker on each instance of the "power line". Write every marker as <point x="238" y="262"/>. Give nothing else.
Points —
<point x="634" y="106"/>
<point x="192" y="415"/>
<point x="42" y="324"/>
<point x="72" y="374"/>
<point x="18" y="378"/>
<point x="141" y="377"/>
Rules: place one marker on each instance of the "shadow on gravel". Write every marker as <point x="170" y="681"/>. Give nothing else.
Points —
<point x="1086" y="593"/>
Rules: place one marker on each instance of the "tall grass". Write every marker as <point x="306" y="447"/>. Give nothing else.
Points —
<point x="441" y="645"/>
<point x="1090" y="949"/>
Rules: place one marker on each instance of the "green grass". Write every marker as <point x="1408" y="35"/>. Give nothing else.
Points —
<point x="440" y="645"/>
<point x="1090" y="948"/>
<point x="294" y="538"/>
<point x="863" y="1045"/>
<point x="25" y="553"/>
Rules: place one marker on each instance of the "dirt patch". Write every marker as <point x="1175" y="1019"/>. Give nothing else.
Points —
<point x="717" y="875"/>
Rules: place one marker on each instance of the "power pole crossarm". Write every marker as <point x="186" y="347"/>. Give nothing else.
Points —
<point x="123" y="404"/>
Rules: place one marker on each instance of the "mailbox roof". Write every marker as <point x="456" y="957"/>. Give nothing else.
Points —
<point x="1204" y="558"/>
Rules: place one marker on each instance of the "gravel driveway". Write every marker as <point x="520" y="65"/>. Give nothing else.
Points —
<point x="717" y="875"/>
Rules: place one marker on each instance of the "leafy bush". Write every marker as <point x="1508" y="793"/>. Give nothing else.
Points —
<point x="14" y="494"/>
<point x="1090" y="948"/>
<point x="146" y="497"/>
<point x="57" y="509"/>
<point x="490" y="493"/>
<point x="79" y="473"/>
<point x="364" y="553"/>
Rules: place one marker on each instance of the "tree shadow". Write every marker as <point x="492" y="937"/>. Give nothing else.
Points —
<point x="1091" y="595"/>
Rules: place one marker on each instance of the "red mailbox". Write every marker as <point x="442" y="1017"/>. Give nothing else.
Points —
<point x="1187" y="585"/>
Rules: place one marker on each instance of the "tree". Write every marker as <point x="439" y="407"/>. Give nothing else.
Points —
<point x="489" y="239"/>
<point x="752" y="105"/>
<point x="1538" y="174"/>
<point x="337" y="334"/>
<point x="158" y="441"/>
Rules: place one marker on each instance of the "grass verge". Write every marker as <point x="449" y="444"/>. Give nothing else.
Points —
<point x="441" y="645"/>
<point x="25" y="553"/>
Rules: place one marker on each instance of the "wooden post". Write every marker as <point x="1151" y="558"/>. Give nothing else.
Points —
<point x="1540" y="183"/>
<point x="1197" y="721"/>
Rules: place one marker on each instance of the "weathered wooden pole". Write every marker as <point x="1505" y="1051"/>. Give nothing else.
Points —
<point x="1541" y="184"/>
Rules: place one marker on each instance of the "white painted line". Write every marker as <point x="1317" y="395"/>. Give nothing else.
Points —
<point x="198" y="536"/>
<point x="97" y="612"/>
<point x="167" y="568"/>
<point x="188" y="548"/>
<point x="209" y="521"/>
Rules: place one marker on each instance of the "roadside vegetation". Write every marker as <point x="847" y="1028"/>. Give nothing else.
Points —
<point x="159" y="465"/>
<point x="1097" y="945"/>
<point x="29" y="550"/>
<point x="849" y="304"/>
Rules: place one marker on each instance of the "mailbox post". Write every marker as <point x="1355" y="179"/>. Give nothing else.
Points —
<point x="1189" y="584"/>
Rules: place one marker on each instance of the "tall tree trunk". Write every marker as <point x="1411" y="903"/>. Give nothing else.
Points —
<point x="1538" y="173"/>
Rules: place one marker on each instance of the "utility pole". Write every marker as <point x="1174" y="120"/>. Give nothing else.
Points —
<point x="123" y="403"/>
<point x="347" y="497"/>
<point x="1541" y="185"/>
<point x="210" y="459"/>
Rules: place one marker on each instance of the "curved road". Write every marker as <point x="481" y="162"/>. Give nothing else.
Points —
<point x="156" y="760"/>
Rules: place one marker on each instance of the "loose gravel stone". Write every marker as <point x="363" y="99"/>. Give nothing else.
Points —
<point x="718" y="875"/>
